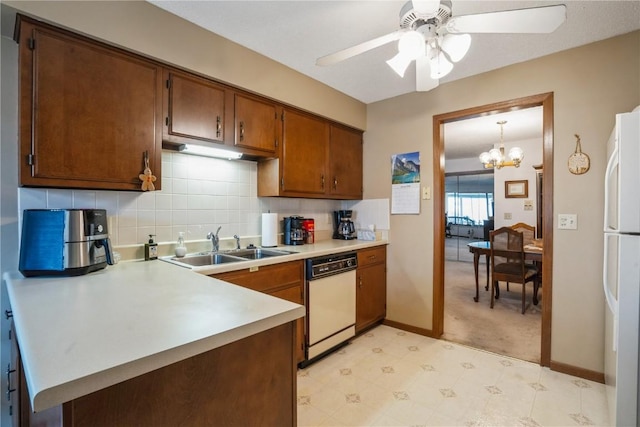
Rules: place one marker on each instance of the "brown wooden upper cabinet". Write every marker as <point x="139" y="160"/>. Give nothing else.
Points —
<point x="305" y="141"/>
<point x="88" y="112"/>
<point x="256" y="124"/>
<point x="318" y="159"/>
<point x="345" y="163"/>
<point x="196" y="109"/>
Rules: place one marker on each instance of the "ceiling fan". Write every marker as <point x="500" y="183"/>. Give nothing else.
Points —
<point x="435" y="39"/>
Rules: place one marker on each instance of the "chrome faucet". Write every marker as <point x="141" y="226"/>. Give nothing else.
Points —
<point x="235" y="236"/>
<point x="215" y="240"/>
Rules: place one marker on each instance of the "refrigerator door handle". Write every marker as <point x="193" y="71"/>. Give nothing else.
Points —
<point x="612" y="302"/>
<point x="611" y="165"/>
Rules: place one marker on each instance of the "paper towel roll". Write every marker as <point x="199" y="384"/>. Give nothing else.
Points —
<point x="269" y="230"/>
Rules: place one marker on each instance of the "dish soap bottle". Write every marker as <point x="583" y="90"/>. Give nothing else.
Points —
<point x="150" y="249"/>
<point x="181" y="249"/>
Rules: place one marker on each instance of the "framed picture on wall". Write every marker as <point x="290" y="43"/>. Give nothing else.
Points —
<point x="516" y="189"/>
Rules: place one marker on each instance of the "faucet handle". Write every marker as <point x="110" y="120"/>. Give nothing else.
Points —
<point x="235" y="236"/>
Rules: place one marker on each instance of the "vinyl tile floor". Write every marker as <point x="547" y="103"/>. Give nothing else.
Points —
<point x="389" y="377"/>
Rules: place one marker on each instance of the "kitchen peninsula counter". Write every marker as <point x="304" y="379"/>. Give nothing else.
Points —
<point x="78" y="335"/>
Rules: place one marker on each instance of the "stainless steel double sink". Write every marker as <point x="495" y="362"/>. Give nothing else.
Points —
<point x="234" y="255"/>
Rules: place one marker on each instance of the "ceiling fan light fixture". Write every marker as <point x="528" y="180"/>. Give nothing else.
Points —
<point x="411" y="45"/>
<point x="399" y="63"/>
<point x="456" y="45"/>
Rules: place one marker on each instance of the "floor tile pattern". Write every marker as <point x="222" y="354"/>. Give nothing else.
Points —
<point x="389" y="377"/>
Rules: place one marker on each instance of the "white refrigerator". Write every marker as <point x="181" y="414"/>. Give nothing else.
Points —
<point x="621" y="269"/>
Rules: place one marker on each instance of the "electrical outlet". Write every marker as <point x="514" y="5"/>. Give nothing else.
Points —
<point x="528" y="205"/>
<point x="507" y="215"/>
<point x="567" y="221"/>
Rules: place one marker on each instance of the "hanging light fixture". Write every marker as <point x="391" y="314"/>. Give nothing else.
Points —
<point x="495" y="157"/>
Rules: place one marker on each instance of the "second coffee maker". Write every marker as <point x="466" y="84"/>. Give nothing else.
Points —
<point x="343" y="226"/>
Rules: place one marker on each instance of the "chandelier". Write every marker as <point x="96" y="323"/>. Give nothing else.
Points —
<point x="495" y="157"/>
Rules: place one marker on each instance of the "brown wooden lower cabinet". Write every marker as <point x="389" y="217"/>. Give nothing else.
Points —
<point x="248" y="382"/>
<point x="371" y="287"/>
<point x="285" y="280"/>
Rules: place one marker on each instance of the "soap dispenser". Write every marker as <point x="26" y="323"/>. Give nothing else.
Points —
<point x="150" y="249"/>
<point x="181" y="249"/>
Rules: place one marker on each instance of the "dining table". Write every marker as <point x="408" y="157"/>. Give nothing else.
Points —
<point x="531" y="253"/>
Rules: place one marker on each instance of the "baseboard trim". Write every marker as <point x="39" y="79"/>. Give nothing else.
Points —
<point x="587" y="374"/>
<point x="402" y="326"/>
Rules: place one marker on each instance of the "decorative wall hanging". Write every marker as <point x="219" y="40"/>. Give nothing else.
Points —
<point x="578" y="162"/>
<point x="147" y="177"/>
<point x="516" y="189"/>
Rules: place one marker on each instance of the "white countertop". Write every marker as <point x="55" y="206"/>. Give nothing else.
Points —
<point x="81" y="334"/>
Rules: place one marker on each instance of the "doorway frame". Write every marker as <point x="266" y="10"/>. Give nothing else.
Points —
<point x="546" y="101"/>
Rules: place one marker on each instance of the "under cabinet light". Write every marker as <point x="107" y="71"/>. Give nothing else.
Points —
<point x="199" y="150"/>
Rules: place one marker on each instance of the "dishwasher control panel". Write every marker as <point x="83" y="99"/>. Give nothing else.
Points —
<point x="331" y="264"/>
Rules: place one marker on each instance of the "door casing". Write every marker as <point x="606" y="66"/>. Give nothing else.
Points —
<point x="546" y="101"/>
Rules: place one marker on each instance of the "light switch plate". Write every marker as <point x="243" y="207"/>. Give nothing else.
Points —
<point x="507" y="215"/>
<point x="567" y="221"/>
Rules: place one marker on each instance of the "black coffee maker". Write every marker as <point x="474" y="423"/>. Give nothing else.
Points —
<point x="343" y="226"/>
<point x="293" y="230"/>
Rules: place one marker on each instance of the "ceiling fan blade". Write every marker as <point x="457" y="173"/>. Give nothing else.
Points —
<point x="424" y="82"/>
<point x="543" y="19"/>
<point x="349" y="52"/>
<point x="426" y="7"/>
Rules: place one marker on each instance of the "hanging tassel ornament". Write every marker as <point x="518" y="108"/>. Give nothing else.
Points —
<point x="147" y="177"/>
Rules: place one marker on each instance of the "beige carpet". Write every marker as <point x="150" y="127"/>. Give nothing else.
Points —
<point x="503" y="329"/>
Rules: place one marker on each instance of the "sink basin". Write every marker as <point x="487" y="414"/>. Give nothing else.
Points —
<point x="199" y="260"/>
<point x="235" y="255"/>
<point x="258" y="253"/>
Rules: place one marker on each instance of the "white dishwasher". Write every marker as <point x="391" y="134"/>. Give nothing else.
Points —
<point x="331" y="303"/>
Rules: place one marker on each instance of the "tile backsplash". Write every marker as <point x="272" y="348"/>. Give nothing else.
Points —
<point x="198" y="195"/>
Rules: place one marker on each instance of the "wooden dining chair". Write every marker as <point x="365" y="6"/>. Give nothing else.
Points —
<point x="528" y="232"/>
<point x="507" y="263"/>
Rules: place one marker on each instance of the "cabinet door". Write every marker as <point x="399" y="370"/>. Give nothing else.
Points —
<point x="371" y="296"/>
<point x="88" y="113"/>
<point x="294" y="294"/>
<point x="195" y="109"/>
<point x="345" y="163"/>
<point x="305" y="144"/>
<point x="256" y="123"/>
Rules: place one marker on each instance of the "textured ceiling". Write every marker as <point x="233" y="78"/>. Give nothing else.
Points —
<point x="296" y="33"/>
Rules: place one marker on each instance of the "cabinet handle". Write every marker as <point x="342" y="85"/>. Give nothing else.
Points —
<point x="8" y="314"/>
<point x="241" y="131"/>
<point x="322" y="177"/>
<point x="218" y="127"/>
<point x="335" y="182"/>
<point x="372" y="257"/>
<point x="9" y="389"/>
<point x="360" y="282"/>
